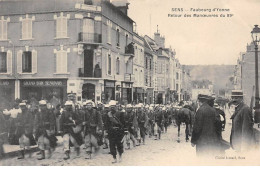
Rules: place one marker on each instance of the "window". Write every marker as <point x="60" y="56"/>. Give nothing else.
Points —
<point x="3" y="62"/>
<point x="150" y="81"/>
<point x="61" y="61"/>
<point x="177" y="87"/>
<point x="117" y="66"/>
<point x="177" y="76"/>
<point x="109" y="29"/>
<point x="61" y="25"/>
<point x="109" y="64"/>
<point x="27" y="61"/>
<point x="146" y="62"/>
<point x="150" y="64"/>
<point x="3" y="28"/>
<point x="27" y="27"/>
<point x="117" y="37"/>
<point x="88" y="30"/>
<point x="126" y="39"/>
<point x="146" y="80"/>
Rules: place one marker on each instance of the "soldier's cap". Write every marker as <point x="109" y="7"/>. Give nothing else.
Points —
<point x="68" y="103"/>
<point x="112" y="103"/>
<point x="216" y="105"/>
<point x="106" y="105"/>
<point x="129" y="106"/>
<point x="140" y="105"/>
<point x="42" y="102"/>
<point x="89" y="102"/>
<point x="150" y="108"/>
<point x="99" y="103"/>
<point x="22" y="104"/>
<point x="147" y="106"/>
<point x="6" y="112"/>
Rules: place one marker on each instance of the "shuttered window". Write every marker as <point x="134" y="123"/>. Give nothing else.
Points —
<point x="27" y="28"/>
<point x="3" y="62"/>
<point x="61" y="62"/>
<point x="109" y="30"/>
<point x="117" y="66"/>
<point x="3" y="30"/>
<point x="9" y="62"/>
<point x="109" y="64"/>
<point x="26" y="61"/>
<point x="61" y="27"/>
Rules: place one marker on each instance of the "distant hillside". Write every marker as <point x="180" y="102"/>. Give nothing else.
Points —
<point x="218" y="74"/>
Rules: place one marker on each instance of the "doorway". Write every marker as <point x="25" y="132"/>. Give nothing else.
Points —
<point x="88" y="91"/>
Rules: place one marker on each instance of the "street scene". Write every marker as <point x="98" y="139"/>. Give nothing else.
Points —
<point x="109" y="83"/>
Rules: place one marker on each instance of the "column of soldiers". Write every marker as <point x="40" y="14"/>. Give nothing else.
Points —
<point x="108" y="125"/>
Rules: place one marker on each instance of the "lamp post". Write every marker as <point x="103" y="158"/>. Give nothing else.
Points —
<point x="255" y="36"/>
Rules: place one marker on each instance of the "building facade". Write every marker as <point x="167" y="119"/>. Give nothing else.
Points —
<point x="52" y="48"/>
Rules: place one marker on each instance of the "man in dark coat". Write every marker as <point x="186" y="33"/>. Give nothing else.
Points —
<point x="159" y="120"/>
<point x="204" y="134"/>
<point x="71" y="128"/>
<point x="116" y="131"/>
<point x="131" y="124"/>
<point x="24" y="129"/>
<point x="92" y="122"/>
<point x="142" y="119"/>
<point x="44" y="129"/>
<point x="241" y="138"/>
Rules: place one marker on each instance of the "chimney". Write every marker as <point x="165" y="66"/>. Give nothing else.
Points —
<point x="122" y="5"/>
<point x="160" y="40"/>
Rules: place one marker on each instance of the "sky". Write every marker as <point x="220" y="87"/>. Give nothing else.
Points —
<point x="203" y="41"/>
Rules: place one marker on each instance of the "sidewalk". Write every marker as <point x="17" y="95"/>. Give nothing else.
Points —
<point x="12" y="150"/>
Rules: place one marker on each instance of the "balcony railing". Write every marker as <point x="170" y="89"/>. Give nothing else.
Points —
<point x="90" y="37"/>
<point x="129" y="49"/>
<point x="129" y="77"/>
<point x="97" y="73"/>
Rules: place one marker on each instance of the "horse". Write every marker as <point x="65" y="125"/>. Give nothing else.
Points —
<point x="185" y="115"/>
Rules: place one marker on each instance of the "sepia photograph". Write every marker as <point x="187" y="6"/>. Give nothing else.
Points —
<point x="129" y="83"/>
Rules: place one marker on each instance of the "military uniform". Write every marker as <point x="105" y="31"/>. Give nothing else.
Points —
<point x="92" y="128"/>
<point x="44" y="127"/>
<point x="71" y="128"/>
<point x="24" y="130"/>
<point x="131" y="124"/>
<point x="2" y="133"/>
<point x="116" y="131"/>
<point x="159" y="119"/>
<point x="142" y="119"/>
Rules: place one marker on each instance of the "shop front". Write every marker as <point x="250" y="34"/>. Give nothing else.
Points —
<point x="7" y="93"/>
<point x="149" y="96"/>
<point x="44" y="89"/>
<point x="109" y="90"/>
<point x="139" y="95"/>
<point x="127" y="92"/>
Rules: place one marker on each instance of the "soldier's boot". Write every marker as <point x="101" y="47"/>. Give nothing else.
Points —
<point x="88" y="155"/>
<point x="49" y="153"/>
<point x="42" y="155"/>
<point x="114" y="160"/>
<point x="77" y="149"/>
<point x="143" y="141"/>
<point x="159" y="136"/>
<point x="155" y="137"/>
<point x="67" y="155"/>
<point x="120" y="158"/>
<point x="21" y="155"/>
<point x="29" y="152"/>
<point x="105" y="146"/>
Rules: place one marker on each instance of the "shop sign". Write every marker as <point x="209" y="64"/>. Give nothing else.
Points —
<point x="110" y="84"/>
<point x="42" y="83"/>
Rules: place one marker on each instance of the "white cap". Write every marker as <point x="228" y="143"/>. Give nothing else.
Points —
<point x="129" y="106"/>
<point x="106" y="105"/>
<point x="163" y="108"/>
<point x="99" y="102"/>
<point x="112" y="103"/>
<point x="89" y="102"/>
<point x="6" y="112"/>
<point x="22" y="104"/>
<point x="42" y="102"/>
<point x="150" y="108"/>
<point x="68" y="103"/>
<point x="147" y="106"/>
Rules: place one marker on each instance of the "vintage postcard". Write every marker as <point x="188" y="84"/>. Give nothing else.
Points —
<point x="129" y="83"/>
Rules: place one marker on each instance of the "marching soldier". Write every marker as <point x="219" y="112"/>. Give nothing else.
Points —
<point x="104" y="120"/>
<point x="131" y="124"/>
<point x="44" y="129"/>
<point x="159" y="119"/>
<point x="71" y="127"/>
<point x="2" y="133"/>
<point x="142" y="119"/>
<point x="23" y="130"/>
<point x="92" y="122"/>
<point x="116" y="131"/>
<point x="151" y="121"/>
